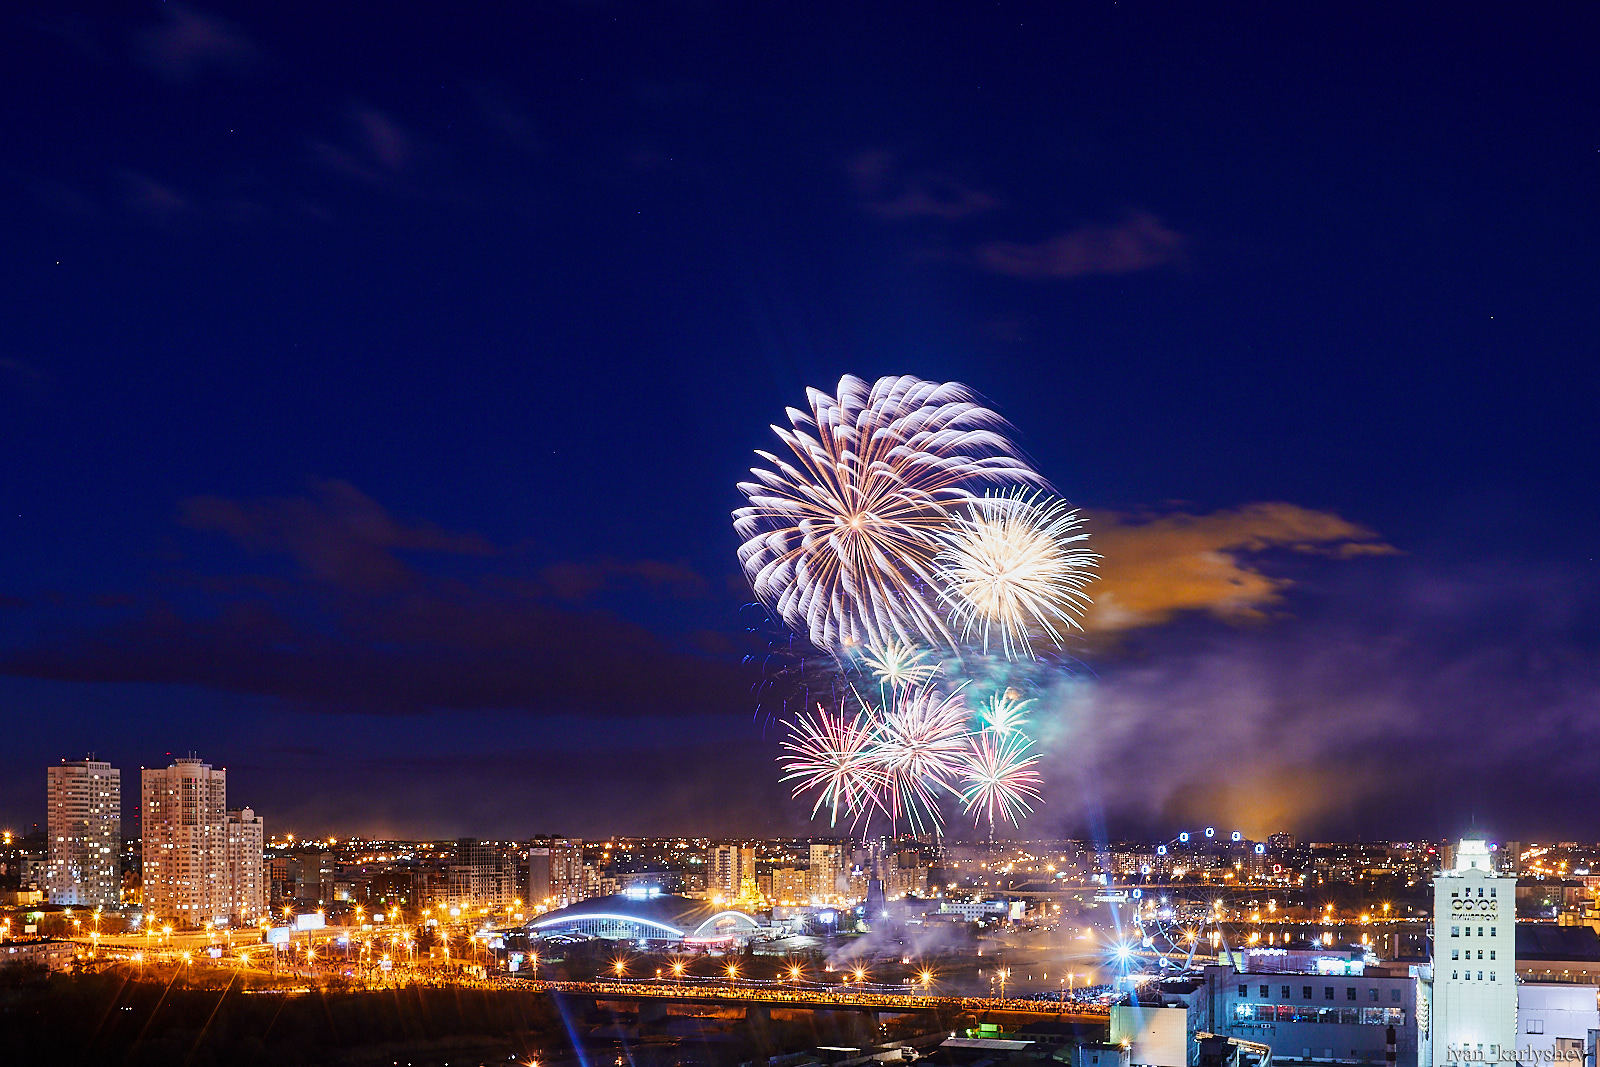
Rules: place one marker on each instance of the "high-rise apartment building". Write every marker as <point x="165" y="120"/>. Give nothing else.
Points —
<point x="731" y="870"/>
<point x="789" y="885"/>
<point x="247" y="878"/>
<point x="483" y="874"/>
<point x="555" y="872"/>
<point x="827" y="864"/>
<point x="83" y="817"/>
<point x="191" y="874"/>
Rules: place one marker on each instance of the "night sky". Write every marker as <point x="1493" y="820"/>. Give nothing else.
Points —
<point x="374" y="382"/>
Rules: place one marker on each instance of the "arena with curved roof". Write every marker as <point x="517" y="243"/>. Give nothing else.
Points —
<point x="648" y="917"/>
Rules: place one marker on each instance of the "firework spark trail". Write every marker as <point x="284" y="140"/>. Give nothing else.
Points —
<point x="841" y="539"/>
<point x="1012" y="565"/>
<point x="835" y="753"/>
<point x="1000" y="778"/>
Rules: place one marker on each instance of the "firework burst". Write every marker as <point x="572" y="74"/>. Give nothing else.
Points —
<point x="1014" y="566"/>
<point x="899" y="666"/>
<point x="921" y="745"/>
<point x="835" y="754"/>
<point x="999" y="778"/>
<point x="1005" y="712"/>
<point x="840" y="536"/>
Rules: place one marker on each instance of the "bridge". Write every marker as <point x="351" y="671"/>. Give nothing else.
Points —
<point x="758" y="998"/>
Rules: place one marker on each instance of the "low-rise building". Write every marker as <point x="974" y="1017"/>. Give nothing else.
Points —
<point x="49" y="952"/>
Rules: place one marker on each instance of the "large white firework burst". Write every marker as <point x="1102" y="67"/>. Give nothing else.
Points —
<point x="841" y="533"/>
<point x="1013" y="568"/>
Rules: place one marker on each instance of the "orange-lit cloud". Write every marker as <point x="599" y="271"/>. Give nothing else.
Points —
<point x="1156" y="568"/>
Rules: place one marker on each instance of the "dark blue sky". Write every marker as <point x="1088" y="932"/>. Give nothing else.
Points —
<point x="375" y="384"/>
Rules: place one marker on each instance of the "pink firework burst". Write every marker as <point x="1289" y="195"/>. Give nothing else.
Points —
<point x="834" y="753"/>
<point x="1000" y="777"/>
<point x="921" y="746"/>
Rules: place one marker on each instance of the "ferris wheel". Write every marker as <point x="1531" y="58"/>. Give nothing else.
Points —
<point x="1173" y="930"/>
<point x="1170" y="925"/>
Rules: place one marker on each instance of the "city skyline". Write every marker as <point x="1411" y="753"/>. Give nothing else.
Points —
<point x="376" y="399"/>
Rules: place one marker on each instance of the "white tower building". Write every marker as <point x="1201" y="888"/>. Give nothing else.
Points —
<point x="83" y="814"/>
<point x="1473" y="1015"/>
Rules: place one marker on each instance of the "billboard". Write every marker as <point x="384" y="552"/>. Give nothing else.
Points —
<point x="313" y="920"/>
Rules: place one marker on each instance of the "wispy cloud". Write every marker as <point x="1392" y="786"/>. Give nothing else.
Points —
<point x="1156" y="568"/>
<point x="376" y="148"/>
<point x="889" y="191"/>
<point x="189" y="42"/>
<point x="337" y="533"/>
<point x="150" y="199"/>
<point x="1139" y="242"/>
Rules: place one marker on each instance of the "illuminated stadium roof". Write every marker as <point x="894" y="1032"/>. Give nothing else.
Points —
<point x="647" y="916"/>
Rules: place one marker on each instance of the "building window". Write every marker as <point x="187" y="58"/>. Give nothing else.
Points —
<point x="1535" y="1026"/>
<point x="1350" y="992"/>
<point x="1454" y="975"/>
<point x="1244" y="991"/>
<point x="1264" y="993"/>
<point x="1480" y="931"/>
<point x="1394" y="995"/>
<point x="1491" y="954"/>
<point x="1491" y="891"/>
<point x="1455" y="931"/>
<point x="1327" y="992"/>
<point x="1455" y="954"/>
<point x="1491" y="976"/>
<point x="1480" y="976"/>
<point x="1305" y="992"/>
<point x="1286" y="993"/>
<point x="1372" y="994"/>
<point x="1491" y="932"/>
